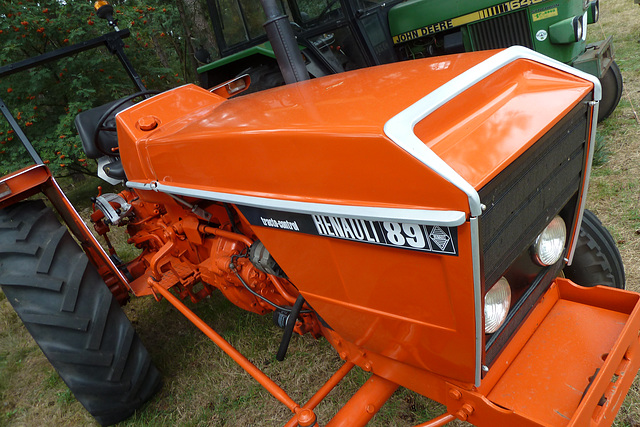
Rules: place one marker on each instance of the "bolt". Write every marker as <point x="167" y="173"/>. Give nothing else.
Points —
<point x="367" y="366"/>
<point x="370" y="409"/>
<point x="465" y="411"/>
<point x="343" y="355"/>
<point x="455" y="394"/>
<point x="306" y="417"/>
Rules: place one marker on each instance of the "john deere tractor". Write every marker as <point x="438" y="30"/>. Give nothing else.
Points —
<point x="341" y="35"/>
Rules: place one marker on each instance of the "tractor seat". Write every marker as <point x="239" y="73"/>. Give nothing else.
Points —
<point x="87" y="122"/>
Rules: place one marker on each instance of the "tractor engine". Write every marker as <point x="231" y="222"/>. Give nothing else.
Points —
<point x="197" y="250"/>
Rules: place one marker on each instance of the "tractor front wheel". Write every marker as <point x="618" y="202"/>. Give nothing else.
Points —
<point x="611" y="83"/>
<point x="71" y="314"/>
<point x="596" y="260"/>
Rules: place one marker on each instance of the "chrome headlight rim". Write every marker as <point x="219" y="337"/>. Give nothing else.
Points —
<point x="595" y="11"/>
<point x="550" y="239"/>
<point x="578" y="28"/>
<point x="497" y="303"/>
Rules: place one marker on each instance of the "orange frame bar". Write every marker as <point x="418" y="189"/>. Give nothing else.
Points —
<point x="225" y="346"/>
<point x="323" y="391"/>
<point x="376" y="390"/>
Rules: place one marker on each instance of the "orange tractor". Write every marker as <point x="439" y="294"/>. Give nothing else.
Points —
<point x="433" y="230"/>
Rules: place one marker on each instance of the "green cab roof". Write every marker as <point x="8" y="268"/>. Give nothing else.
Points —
<point x="261" y="49"/>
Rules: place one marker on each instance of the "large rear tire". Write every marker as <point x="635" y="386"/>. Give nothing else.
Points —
<point x="611" y="83"/>
<point x="596" y="260"/>
<point x="71" y="314"/>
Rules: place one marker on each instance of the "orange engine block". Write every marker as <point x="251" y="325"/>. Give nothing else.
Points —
<point x="196" y="256"/>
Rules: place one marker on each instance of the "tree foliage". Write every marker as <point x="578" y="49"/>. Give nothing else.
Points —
<point x="45" y="99"/>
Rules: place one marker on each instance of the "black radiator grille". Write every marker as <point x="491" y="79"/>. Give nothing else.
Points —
<point x="502" y="32"/>
<point x="528" y="193"/>
<point x="520" y="202"/>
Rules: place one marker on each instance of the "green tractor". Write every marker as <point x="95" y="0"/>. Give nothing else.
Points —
<point x="341" y="35"/>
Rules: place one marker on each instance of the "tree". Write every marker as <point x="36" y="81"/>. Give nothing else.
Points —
<point x="45" y="100"/>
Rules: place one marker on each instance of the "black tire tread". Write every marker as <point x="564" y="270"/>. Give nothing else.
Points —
<point x="612" y="88"/>
<point x="596" y="260"/>
<point x="72" y="315"/>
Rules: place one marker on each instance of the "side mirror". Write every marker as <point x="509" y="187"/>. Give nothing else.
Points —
<point x="232" y="87"/>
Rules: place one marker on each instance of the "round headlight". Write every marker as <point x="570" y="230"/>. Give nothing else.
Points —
<point x="577" y="27"/>
<point x="549" y="245"/>
<point x="496" y="305"/>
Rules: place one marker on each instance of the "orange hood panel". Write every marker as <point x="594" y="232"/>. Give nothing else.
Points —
<point x="323" y="140"/>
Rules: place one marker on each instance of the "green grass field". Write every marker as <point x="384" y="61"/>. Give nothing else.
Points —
<point x="203" y="387"/>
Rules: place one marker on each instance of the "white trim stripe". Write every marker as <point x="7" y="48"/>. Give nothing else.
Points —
<point x="585" y="188"/>
<point x="400" y="128"/>
<point x="370" y="213"/>
<point x="477" y="297"/>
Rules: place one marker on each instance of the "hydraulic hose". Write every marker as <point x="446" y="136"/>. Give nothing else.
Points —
<point x="288" y="329"/>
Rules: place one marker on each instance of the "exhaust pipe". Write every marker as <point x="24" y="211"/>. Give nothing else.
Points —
<point x="284" y="43"/>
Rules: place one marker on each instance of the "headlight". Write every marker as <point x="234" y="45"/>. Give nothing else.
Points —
<point x="577" y="26"/>
<point x="593" y="12"/>
<point x="549" y="245"/>
<point x="496" y="305"/>
<point x="569" y="30"/>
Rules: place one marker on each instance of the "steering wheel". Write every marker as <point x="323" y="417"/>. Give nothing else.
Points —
<point x="100" y="125"/>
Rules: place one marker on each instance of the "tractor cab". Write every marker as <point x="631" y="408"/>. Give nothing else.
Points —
<point x="333" y="35"/>
<point x="342" y="35"/>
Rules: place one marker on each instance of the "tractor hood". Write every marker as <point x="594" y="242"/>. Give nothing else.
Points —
<point x="419" y="134"/>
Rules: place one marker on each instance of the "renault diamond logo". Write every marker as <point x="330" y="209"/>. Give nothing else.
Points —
<point x="439" y="237"/>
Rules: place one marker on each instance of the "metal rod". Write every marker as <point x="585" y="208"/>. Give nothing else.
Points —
<point x="438" y="421"/>
<point x="280" y="288"/>
<point x="324" y="391"/>
<point x="62" y="52"/>
<point x="329" y="385"/>
<point x="21" y="136"/>
<point x="226" y="234"/>
<point x="365" y="403"/>
<point x="273" y="388"/>
<point x="80" y="229"/>
<point x="117" y="47"/>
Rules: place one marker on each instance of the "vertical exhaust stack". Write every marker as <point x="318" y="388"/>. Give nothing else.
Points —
<point x="284" y="43"/>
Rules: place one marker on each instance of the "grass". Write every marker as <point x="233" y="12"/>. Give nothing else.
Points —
<point x="203" y="387"/>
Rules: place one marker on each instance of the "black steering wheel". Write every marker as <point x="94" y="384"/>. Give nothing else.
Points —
<point x="100" y="125"/>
